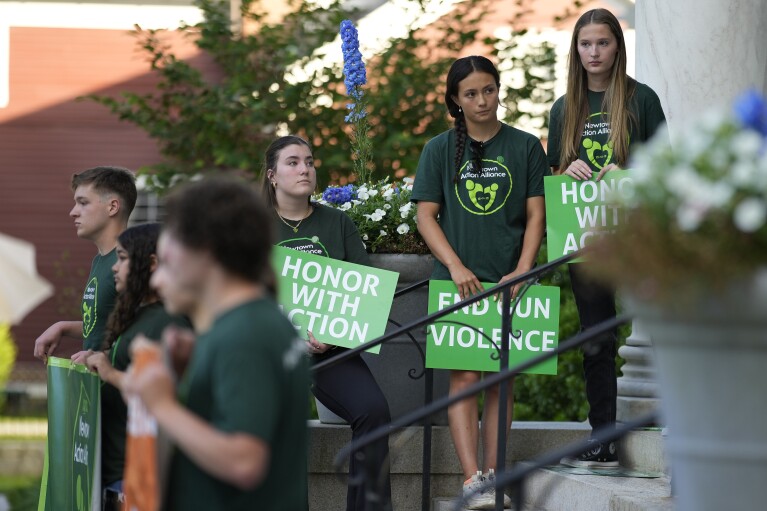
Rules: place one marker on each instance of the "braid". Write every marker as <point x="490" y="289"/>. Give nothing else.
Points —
<point x="460" y="143"/>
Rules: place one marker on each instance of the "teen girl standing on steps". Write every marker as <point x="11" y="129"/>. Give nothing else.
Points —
<point x="593" y="129"/>
<point x="479" y="188"/>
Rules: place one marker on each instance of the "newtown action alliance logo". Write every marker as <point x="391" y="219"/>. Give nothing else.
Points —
<point x="597" y="146"/>
<point x="485" y="191"/>
<point x="311" y="245"/>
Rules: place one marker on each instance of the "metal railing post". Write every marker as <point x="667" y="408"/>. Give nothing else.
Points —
<point x="503" y="392"/>
<point x="426" y="462"/>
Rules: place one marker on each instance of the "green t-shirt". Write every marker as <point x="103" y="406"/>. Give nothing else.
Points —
<point x="98" y="300"/>
<point x="594" y="147"/>
<point x="248" y="374"/>
<point x="327" y="232"/>
<point x="484" y="215"/>
<point x="151" y="320"/>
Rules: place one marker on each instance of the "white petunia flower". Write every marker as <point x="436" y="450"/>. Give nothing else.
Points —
<point x="689" y="217"/>
<point x="382" y="233"/>
<point x="372" y="192"/>
<point x="403" y="228"/>
<point x="365" y="237"/>
<point x="345" y="206"/>
<point x="387" y="206"/>
<point x="750" y="214"/>
<point x="362" y="195"/>
<point x="388" y="193"/>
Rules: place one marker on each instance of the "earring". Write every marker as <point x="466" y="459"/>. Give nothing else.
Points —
<point x="274" y="184"/>
<point x="460" y="110"/>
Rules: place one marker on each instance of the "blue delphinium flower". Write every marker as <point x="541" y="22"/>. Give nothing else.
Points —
<point x="339" y="194"/>
<point x="354" y="78"/>
<point x="354" y="69"/>
<point x="751" y="111"/>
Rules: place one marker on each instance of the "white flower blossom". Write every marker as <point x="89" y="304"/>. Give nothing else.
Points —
<point x="345" y="206"/>
<point x="363" y="193"/>
<point x="356" y="202"/>
<point x="403" y="228"/>
<point x="365" y="237"/>
<point x="689" y="217"/>
<point x="372" y="192"/>
<point x="750" y="214"/>
<point x="382" y="233"/>
<point x="376" y="216"/>
<point x="387" y="206"/>
<point x="388" y="193"/>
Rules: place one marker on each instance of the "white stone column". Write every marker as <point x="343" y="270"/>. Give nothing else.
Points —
<point x="694" y="54"/>
<point x="699" y="53"/>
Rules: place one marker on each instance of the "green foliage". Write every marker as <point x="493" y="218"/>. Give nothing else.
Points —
<point x="7" y="357"/>
<point x="22" y="492"/>
<point x="277" y="79"/>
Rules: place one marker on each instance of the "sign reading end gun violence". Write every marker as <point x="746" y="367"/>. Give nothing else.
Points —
<point x="578" y="211"/>
<point x="467" y="338"/>
<point x="343" y="304"/>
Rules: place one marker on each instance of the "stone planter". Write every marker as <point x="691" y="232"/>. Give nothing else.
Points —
<point x="711" y="360"/>
<point x="399" y="356"/>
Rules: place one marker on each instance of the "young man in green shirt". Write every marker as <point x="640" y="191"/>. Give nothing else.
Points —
<point x="104" y="199"/>
<point x="238" y="417"/>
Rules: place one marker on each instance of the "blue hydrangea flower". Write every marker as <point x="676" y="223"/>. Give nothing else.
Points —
<point x="339" y="194"/>
<point x="751" y="111"/>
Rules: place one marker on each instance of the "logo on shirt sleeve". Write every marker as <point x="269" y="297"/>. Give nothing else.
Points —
<point x="89" y="306"/>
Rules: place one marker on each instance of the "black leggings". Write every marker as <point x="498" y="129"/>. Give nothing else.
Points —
<point x="596" y="303"/>
<point x="350" y="391"/>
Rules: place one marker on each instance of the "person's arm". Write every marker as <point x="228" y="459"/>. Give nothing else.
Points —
<point x="49" y="340"/>
<point x="239" y="459"/>
<point x="432" y="233"/>
<point x="531" y="241"/>
<point x="98" y="362"/>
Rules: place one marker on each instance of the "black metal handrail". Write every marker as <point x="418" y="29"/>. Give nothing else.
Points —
<point x="536" y="272"/>
<point x="505" y="374"/>
<point x="490" y="381"/>
<point x="515" y="477"/>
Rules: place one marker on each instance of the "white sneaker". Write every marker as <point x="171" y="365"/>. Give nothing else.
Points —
<point x="474" y="498"/>
<point x="491" y="479"/>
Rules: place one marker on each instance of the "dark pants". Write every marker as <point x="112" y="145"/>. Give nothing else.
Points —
<point x="596" y="303"/>
<point x="350" y="391"/>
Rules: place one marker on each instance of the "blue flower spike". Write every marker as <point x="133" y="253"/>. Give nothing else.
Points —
<point x="751" y="111"/>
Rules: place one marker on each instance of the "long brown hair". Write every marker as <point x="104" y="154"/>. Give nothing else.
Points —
<point x="616" y="100"/>
<point x="140" y="242"/>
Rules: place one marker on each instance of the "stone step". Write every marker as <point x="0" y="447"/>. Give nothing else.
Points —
<point x="449" y="504"/>
<point x="548" y="490"/>
<point x="643" y="450"/>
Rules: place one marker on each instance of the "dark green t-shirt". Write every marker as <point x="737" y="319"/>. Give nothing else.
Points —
<point x="151" y="320"/>
<point x="98" y="300"/>
<point x="248" y="374"/>
<point x="594" y="147"/>
<point x="484" y="215"/>
<point x="327" y="232"/>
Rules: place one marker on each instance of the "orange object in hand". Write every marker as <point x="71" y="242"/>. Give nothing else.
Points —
<point x="141" y="478"/>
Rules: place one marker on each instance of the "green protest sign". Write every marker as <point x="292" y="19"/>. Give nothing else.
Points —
<point x="577" y="211"/>
<point x="341" y="303"/>
<point x="457" y="341"/>
<point x="72" y="473"/>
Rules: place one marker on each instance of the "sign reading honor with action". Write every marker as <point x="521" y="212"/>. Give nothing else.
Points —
<point x="343" y="304"/>
<point x="72" y="472"/>
<point x="467" y="338"/>
<point x="577" y="211"/>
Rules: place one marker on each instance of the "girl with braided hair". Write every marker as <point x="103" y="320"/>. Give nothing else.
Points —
<point x="479" y="188"/>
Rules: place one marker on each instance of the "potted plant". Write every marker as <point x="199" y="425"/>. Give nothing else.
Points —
<point x="386" y="221"/>
<point x="691" y="259"/>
